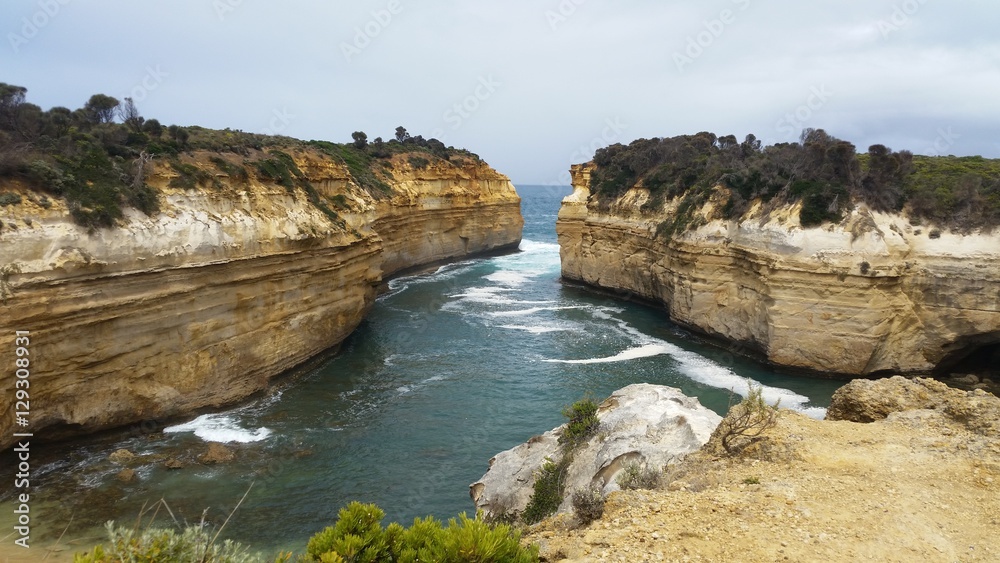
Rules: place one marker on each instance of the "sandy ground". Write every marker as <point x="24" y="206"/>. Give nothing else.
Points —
<point x="915" y="487"/>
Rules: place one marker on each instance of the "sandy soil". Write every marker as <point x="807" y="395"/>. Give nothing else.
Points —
<point x="917" y="486"/>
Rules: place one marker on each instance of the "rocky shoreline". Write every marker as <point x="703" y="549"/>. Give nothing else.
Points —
<point x="921" y="482"/>
<point x="228" y="286"/>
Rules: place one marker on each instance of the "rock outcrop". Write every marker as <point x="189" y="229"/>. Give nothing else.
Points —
<point x="650" y="425"/>
<point x="917" y="485"/>
<point x="229" y="285"/>
<point x="868" y="401"/>
<point x="870" y="295"/>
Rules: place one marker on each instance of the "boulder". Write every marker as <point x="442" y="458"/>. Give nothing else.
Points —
<point x="126" y="475"/>
<point x="121" y="456"/>
<point x="647" y="424"/>
<point x="868" y="401"/>
<point x="173" y="463"/>
<point x="216" y="453"/>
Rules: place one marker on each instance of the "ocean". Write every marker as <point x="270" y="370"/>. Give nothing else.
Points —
<point x="451" y="367"/>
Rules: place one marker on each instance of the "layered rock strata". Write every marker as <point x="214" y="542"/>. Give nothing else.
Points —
<point x="226" y="287"/>
<point x="873" y="294"/>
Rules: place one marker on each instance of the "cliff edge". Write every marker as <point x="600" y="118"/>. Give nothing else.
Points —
<point x="254" y="262"/>
<point x="868" y="294"/>
<point x="922" y="483"/>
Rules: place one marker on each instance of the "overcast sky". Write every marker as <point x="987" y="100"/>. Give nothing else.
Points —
<point x="531" y="85"/>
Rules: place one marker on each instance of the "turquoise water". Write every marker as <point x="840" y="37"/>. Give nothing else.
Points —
<point x="450" y="368"/>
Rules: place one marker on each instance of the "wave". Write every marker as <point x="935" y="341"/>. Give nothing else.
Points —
<point x="696" y="367"/>
<point x="537" y="329"/>
<point x="448" y="271"/>
<point x="219" y="428"/>
<point x="404" y="389"/>
<point x="531" y="311"/>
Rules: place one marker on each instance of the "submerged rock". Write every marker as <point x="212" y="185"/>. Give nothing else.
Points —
<point x="126" y="475"/>
<point x="647" y="424"/>
<point x="121" y="456"/>
<point x="174" y="463"/>
<point x="217" y="453"/>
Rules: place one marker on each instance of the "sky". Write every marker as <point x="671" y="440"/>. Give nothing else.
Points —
<point x="532" y="86"/>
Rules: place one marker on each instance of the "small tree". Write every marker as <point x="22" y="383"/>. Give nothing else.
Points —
<point x="747" y="421"/>
<point x="101" y="108"/>
<point x="360" y="140"/>
<point x="129" y="114"/>
<point x="401" y="134"/>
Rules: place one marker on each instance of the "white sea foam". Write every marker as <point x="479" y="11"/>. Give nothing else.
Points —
<point x="644" y="351"/>
<point x="695" y="366"/>
<point x="404" y="389"/>
<point x="219" y="428"/>
<point x="537" y="329"/>
<point x="531" y="311"/>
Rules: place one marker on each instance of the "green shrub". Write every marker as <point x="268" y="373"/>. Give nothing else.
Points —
<point x="751" y="481"/>
<point x="418" y="162"/>
<point x="547" y="492"/>
<point x="8" y="198"/>
<point x="588" y="504"/>
<point x="156" y="545"/>
<point x="746" y="422"/>
<point x="358" y="535"/>
<point x="583" y="422"/>
<point x="637" y="476"/>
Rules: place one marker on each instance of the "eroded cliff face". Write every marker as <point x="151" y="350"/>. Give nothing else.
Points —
<point x="873" y="294"/>
<point x="226" y="287"/>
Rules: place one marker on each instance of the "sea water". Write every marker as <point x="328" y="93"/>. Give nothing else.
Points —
<point x="450" y="367"/>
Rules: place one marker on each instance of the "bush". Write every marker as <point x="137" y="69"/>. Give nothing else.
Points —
<point x="547" y="494"/>
<point x="358" y="535"/>
<point x="418" y="162"/>
<point x="583" y="422"/>
<point x="8" y="198"/>
<point x="155" y="545"/>
<point x="746" y="421"/>
<point x="636" y="476"/>
<point x="588" y="504"/>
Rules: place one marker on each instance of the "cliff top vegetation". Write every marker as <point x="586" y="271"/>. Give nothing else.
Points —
<point x="98" y="157"/>
<point x="825" y="173"/>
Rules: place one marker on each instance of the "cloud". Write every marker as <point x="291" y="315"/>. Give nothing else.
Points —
<point x="897" y="71"/>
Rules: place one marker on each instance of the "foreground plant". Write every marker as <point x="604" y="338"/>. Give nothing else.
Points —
<point x="161" y="545"/>
<point x="358" y="535"/>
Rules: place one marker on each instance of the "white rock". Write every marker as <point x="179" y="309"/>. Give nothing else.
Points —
<point x="648" y="424"/>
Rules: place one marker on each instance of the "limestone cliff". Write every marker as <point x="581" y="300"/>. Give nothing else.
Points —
<point x="228" y="285"/>
<point x="871" y="294"/>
